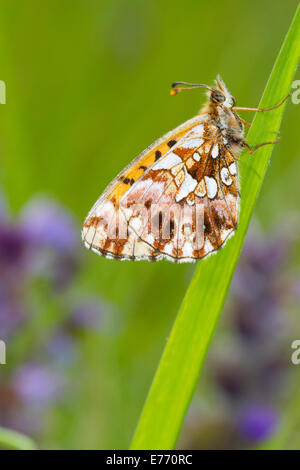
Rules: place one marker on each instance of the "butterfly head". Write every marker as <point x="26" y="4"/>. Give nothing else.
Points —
<point x="217" y="95"/>
<point x="221" y="95"/>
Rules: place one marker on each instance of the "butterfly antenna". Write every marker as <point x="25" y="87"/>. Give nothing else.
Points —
<point x="177" y="87"/>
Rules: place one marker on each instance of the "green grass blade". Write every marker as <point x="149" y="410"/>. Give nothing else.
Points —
<point x="15" y="441"/>
<point x="179" y="368"/>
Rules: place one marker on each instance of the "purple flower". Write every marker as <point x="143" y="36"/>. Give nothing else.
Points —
<point x="88" y="314"/>
<point x="39" y="256"/>
<point x="52" y="232"/>
<point x="48" y="224"/>
<point x="12" y="313"/>
<point x="265" y="255"/>
<point x="296" y="289"/>
<point x="258" y="288"/>
<point x="13" y="247"/>
<point x="37" y="385"/>
<point x="254" y="319"/>
<point x="257" y="423"/>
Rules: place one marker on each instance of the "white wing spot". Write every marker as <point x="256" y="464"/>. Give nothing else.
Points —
<point x="199" y="129"/>
<point x="225" y="176"/>
<point x="211" y="185"/>
<point x="224" y="234"/>
<point x="215" y="151"/>
<point x="196" y="156"/>
<point x="208" y="246"/>
<point x="167" y="162"/>
<point x="232" y="168"/>
<point x="187" y="249"/>
<point x="169" y="248"/>
<point x="193" y="143"/>
<point x="186" y="188"/>
<point x="196" y="131"/>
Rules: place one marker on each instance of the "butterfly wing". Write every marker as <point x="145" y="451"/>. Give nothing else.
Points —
<point x="178" y="200"/>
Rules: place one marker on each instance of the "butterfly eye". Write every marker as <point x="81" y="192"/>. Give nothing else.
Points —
<point x="217" y="96"/>
<point x="233" y="101"/>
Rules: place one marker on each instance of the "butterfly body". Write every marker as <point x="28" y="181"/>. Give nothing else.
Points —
<point x="179" y="199"/>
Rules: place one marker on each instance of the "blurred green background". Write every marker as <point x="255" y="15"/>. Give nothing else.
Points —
<point x="87" y="90"/>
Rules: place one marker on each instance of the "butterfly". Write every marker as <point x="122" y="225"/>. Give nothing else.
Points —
<point x="179" y="199"/>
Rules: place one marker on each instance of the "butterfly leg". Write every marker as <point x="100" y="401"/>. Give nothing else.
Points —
<point x="252" y="150"/>
<point x="258" y="110"/>
<point x="245" y="122"/>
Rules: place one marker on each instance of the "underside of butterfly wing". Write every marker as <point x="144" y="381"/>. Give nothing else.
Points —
<point x="178" y="200"/>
